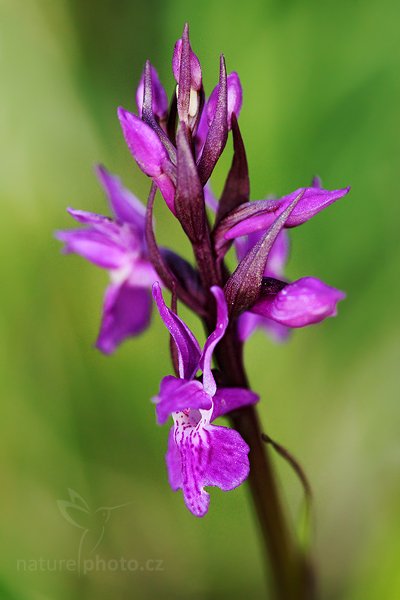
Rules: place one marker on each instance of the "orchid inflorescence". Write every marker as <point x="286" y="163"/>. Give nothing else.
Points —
<point x="178" y="147"/>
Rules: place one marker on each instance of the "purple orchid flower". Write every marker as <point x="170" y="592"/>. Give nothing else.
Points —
<point x="117" y="245"/>
<point x="178" y="148"/>
<point x="200" y="454"/>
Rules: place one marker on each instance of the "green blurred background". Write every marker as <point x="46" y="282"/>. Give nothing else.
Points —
<point x="321" y="95"/>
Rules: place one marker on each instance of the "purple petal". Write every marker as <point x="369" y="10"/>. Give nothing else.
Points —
<point x="195" y="68"/>
<point x="217" y="134"/>
<point x="144" y="144"/>
<point x="126" y="313"/>
<point x="278" y="254"/>
<point x="142" y="273"/>
<point x="93" y="219"/>
<point x="313" y="201"/>
<point x="167" y="190"/>
<point x="228" y="464"/>
<point x="201" y="133"/>
<point x="213" y="339"/>
<point x="177" y="395"/>
<point x="159" y="96"/>
<point x="94" y="246"/>
<point x="235" y="98"/>
<point x="187" y="345"/>
<point x="258" y="215"/>
<point x="226" y="400"/>
<point x="125" y="206"/>
<point x="249" y="322"/>
<point x="303" y="302"/>
<point x="210" y="198"/>
<point x="174" y="463"/>
<point x="209" y="455"/>
<point x="244" y="286"/>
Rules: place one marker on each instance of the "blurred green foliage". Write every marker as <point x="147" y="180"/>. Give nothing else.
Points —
<point x="321" y="85"/>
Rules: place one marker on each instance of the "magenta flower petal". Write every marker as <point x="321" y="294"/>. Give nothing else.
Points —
<point x="126" y="312"/>
<point x="213" y="339"/>
<point x="209" y="455"/>
<point x="142" y="274"/>
<point x="174" y="463"/>
<point x="259" y="215"/>
<point x="125" y="206"/>
<point x="303" y="302"/>
<point x="159" y="96"/>
<point x="249" y="322"/>
<point x="149" y="152"/>
<point x="188" y="348"/>
<point x="177" y="395"/>
<point x="228" y="464"/>
<point x="143" y="143"/>
<point x="210" y="198"/>
<point x="235" y="99"/>
<point x="93" y="219"/>
<point x="278" y="254"/>
<point x="167" y="190"/>
<point x="94" y="246"/>
<point x="226" y="400"/>
<point x="195" y="68"/>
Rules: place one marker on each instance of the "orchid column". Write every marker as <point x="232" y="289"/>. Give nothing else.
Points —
<point x="178" y="147"/>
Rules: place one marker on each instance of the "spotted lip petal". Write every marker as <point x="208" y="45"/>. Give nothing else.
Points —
<point x="205" y="456"/>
